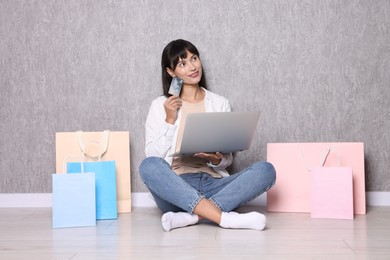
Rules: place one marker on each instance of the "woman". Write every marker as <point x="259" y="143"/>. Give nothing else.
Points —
<point x="188" y="189"/>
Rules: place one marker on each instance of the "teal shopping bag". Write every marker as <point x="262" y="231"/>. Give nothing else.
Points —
<point x="105" y="177"/>
<point x="73" y="201"/>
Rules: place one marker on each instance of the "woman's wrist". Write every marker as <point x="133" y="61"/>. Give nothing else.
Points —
<point x="217" y="158"/>
<point x="170" y="121"/>
<point x="216" y="162"/>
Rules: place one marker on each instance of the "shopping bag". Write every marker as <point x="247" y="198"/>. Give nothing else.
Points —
<point x="105" y="178"/>
<point x="73" y="201"/>
<point x="116" y="147"/>
<point x="292" y="190"/>
<point x="332" y="193"/>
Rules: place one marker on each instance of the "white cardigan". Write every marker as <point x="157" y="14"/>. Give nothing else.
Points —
<point x="160" y="137"/>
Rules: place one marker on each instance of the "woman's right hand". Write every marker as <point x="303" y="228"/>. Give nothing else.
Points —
<point x="172" y="106"/>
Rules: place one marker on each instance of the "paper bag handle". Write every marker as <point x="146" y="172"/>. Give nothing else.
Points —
<point x="323" y="157"/>
<point x="67" y="159"/>
<point x="103" y="144"/>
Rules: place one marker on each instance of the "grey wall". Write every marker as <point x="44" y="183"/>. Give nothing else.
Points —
<point x="318" y="71"/>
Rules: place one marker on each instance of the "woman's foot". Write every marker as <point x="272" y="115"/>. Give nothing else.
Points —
<point x="172" y="220"/>
<point x="251" y="220"/>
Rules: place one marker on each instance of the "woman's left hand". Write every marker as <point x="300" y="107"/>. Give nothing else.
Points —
<point x="214" y="158"/>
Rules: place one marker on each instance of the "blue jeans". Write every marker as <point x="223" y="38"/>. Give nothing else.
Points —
<point x="183" y="192"/>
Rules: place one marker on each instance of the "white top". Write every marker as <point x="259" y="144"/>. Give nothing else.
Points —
<point x="161" y="137"/>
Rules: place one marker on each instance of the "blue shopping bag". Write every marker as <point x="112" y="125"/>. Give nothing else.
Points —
<point x="105" y="177"/>
<point x="73" y="201"/>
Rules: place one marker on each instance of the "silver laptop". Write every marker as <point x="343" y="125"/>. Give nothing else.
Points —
<point x="224" y="132"/>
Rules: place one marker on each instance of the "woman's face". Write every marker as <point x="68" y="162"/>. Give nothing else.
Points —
<point x="188" y="69"/>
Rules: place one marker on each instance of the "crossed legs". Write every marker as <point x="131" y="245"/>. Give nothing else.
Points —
<point x="206" y="209"/>
<point x="166" y="186"/>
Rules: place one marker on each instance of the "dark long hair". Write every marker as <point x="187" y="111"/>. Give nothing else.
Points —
<point x="170" y="57"/>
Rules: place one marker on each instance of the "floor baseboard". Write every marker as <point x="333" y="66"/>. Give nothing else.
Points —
<point x="144" y="199"/>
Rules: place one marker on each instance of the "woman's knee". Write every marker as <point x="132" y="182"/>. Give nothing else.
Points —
<point x="150" y="166"/>
<point x="266" y="171"/>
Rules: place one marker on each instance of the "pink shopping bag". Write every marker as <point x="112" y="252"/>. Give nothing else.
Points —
<point x="332" y="193"/>
<point x="292" y="191"/>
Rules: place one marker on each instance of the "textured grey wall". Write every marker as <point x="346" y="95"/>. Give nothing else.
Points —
<point x="318" y="71"/>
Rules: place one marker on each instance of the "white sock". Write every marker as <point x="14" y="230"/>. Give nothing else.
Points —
<point x="251" y="220"/>
<point x="171" y="220"/>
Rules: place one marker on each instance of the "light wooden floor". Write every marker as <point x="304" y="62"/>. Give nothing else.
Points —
<point x="27" y="234"/>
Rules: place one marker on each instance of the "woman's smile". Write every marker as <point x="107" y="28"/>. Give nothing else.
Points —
<point x="194" y="75"/>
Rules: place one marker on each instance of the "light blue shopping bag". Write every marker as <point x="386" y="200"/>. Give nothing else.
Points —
<point x="105" y="176"/>
<point x="73" y="201"/>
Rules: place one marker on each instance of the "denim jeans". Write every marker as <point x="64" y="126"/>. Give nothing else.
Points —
<point x="183" y="192"/>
